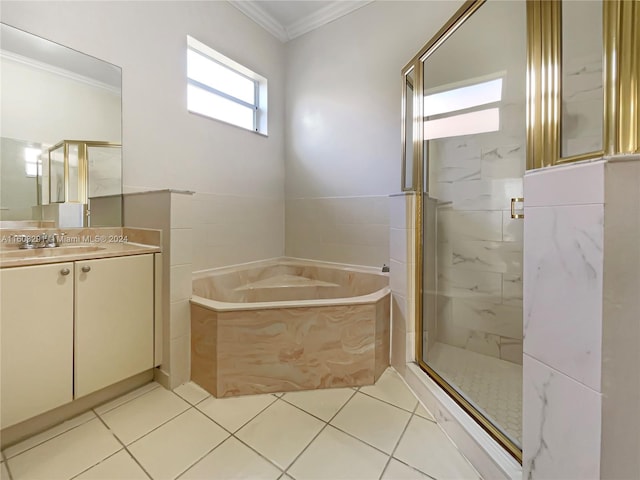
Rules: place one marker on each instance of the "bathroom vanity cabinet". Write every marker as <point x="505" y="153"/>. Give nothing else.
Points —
<point x="114" y="320"/>
<point x="70" y="329"/>
<point x="36" y="335"/>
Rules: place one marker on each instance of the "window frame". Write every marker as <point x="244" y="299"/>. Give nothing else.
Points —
<point x="259" y="107"/>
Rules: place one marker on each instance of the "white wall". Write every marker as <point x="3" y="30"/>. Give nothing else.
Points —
<point x="163" y="145"/>
<point x="343" y="117"/>
<point x="30" y="94"/>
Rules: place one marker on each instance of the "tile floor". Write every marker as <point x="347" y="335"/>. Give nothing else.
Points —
<point x="374" y="432"/>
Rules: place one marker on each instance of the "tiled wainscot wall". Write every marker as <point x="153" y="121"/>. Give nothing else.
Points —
<point x="352" y="230"/>
<point x="581" y="329"/>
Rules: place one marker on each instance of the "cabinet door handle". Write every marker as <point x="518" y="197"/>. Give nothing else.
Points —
<point x="86" y="268"/>
<point x="65" y="271"/>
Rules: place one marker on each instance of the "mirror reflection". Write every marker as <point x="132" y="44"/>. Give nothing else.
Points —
<point x="60" y="135"/>
<point x="582" y="84"/>
<point x="407" y="161"/>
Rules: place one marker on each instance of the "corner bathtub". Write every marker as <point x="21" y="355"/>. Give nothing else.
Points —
<point x="287" y="325"/>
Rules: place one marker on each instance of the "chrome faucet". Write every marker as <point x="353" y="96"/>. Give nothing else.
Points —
<point x="38" y="241"/>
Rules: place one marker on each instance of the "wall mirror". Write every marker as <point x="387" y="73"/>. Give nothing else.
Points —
<point x="60" y="135"/>
<point x="582" y="89"/>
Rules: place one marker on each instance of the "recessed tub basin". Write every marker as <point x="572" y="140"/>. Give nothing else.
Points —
<point x="287" y="325"/>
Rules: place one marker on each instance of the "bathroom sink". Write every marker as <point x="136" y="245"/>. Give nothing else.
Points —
<point x="49" y="252"/>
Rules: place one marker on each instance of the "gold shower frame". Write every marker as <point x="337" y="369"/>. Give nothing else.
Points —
<point x="621" y="124"/>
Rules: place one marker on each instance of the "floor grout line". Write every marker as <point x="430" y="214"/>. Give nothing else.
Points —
<point x="51" y="438"/>
<point x="389" y="403"/>
<point x="326" y="424"/>
<point x="128" y="401"/>
<point x="150" y="431"/>
<point x="5" y="461"/>
<point x="124" y="447"/>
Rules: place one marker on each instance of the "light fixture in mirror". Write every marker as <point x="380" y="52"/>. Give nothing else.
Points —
<point x="51" y="93"/>
<point x="582" y="91"/>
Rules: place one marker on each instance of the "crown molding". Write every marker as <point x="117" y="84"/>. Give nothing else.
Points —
<point x="333" y="11"/>
<point x="256" y="13"/>
<point x="30" y="62"/>
<point x="323" y="16"/>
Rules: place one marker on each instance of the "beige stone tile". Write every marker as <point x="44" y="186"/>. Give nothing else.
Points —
<point x="181" y="210"/>
<point x="177" y="445"/>
<point x="48" y="434"/>
<point x="180" y="318"/>
<point x="141" y="415"/>
<point x="67" y="454"/>
<point x="391" y="388"/>
<point x="335" y="455"/>
<point x="181" y="246"/>
<point x="383" y="432"/>
<point x="191" y="392"/>
<point x="443" y="461"/>
<point x="180" y="361"/>
<point x="322" y="403"/>
<point x="119" y="466"/>
<point x="4" y="473"/>
<point x="180" y="282"/>
<point x="233" y="413"/>
<point x="280" y="432"/>
<point x="232" y="460"/>
<point x="399" y="471"/>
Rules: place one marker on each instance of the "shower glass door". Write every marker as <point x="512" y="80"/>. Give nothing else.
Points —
<point x="473" y="89"/>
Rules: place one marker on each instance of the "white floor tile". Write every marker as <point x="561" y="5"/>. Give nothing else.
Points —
<point x="399" y="471"/>
<point x="177" y="445"/>
<point x="191" y="392"/>
<point x="424" y="413"/>
<point x="280" y="433"/>
<point x="116" y="402"/>
<point x="335" y="455"/>
<point x="66" y="455"/>
<point x="322" y="403"/>
<point x="119" y="466"/>
<point x="232" y="460"/>
<point x="141" y="415"/>
<point x="425" y="447"/>
<point x="48" y="434"/>
<point x="373" y="421"/>
<point x="233" y="413"/>
<point x="391" y="388"/>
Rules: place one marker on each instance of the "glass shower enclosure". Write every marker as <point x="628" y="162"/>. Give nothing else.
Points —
<point x="469" y="141"/>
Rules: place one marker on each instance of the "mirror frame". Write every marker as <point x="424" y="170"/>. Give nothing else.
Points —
<point x="621" y="82"/>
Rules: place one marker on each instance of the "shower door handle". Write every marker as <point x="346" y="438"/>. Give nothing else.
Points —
<point x="513" y="207"/>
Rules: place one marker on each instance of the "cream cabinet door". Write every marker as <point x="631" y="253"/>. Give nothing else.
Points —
<point x="114" y="320"/>
<point x="36" y="332"/>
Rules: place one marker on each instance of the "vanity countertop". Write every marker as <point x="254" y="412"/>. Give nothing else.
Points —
<point x="14" y="257"/>
<point x="78" y="244"/>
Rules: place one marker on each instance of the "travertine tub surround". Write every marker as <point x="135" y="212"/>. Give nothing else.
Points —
<point x="248" y="335"/>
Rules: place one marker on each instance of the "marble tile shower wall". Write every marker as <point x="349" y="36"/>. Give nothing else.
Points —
<point x="353" y="230"/>
<point x="479" y="251"/>
<point x="582" y="105"/>
<point x="232" y="229"/>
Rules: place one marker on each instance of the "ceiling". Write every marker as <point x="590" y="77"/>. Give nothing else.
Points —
<point x="289" y="19"/>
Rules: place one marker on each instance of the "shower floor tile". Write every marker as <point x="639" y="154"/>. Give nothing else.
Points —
<point x="492" y="384"/>
<point x="381" y="433"/>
